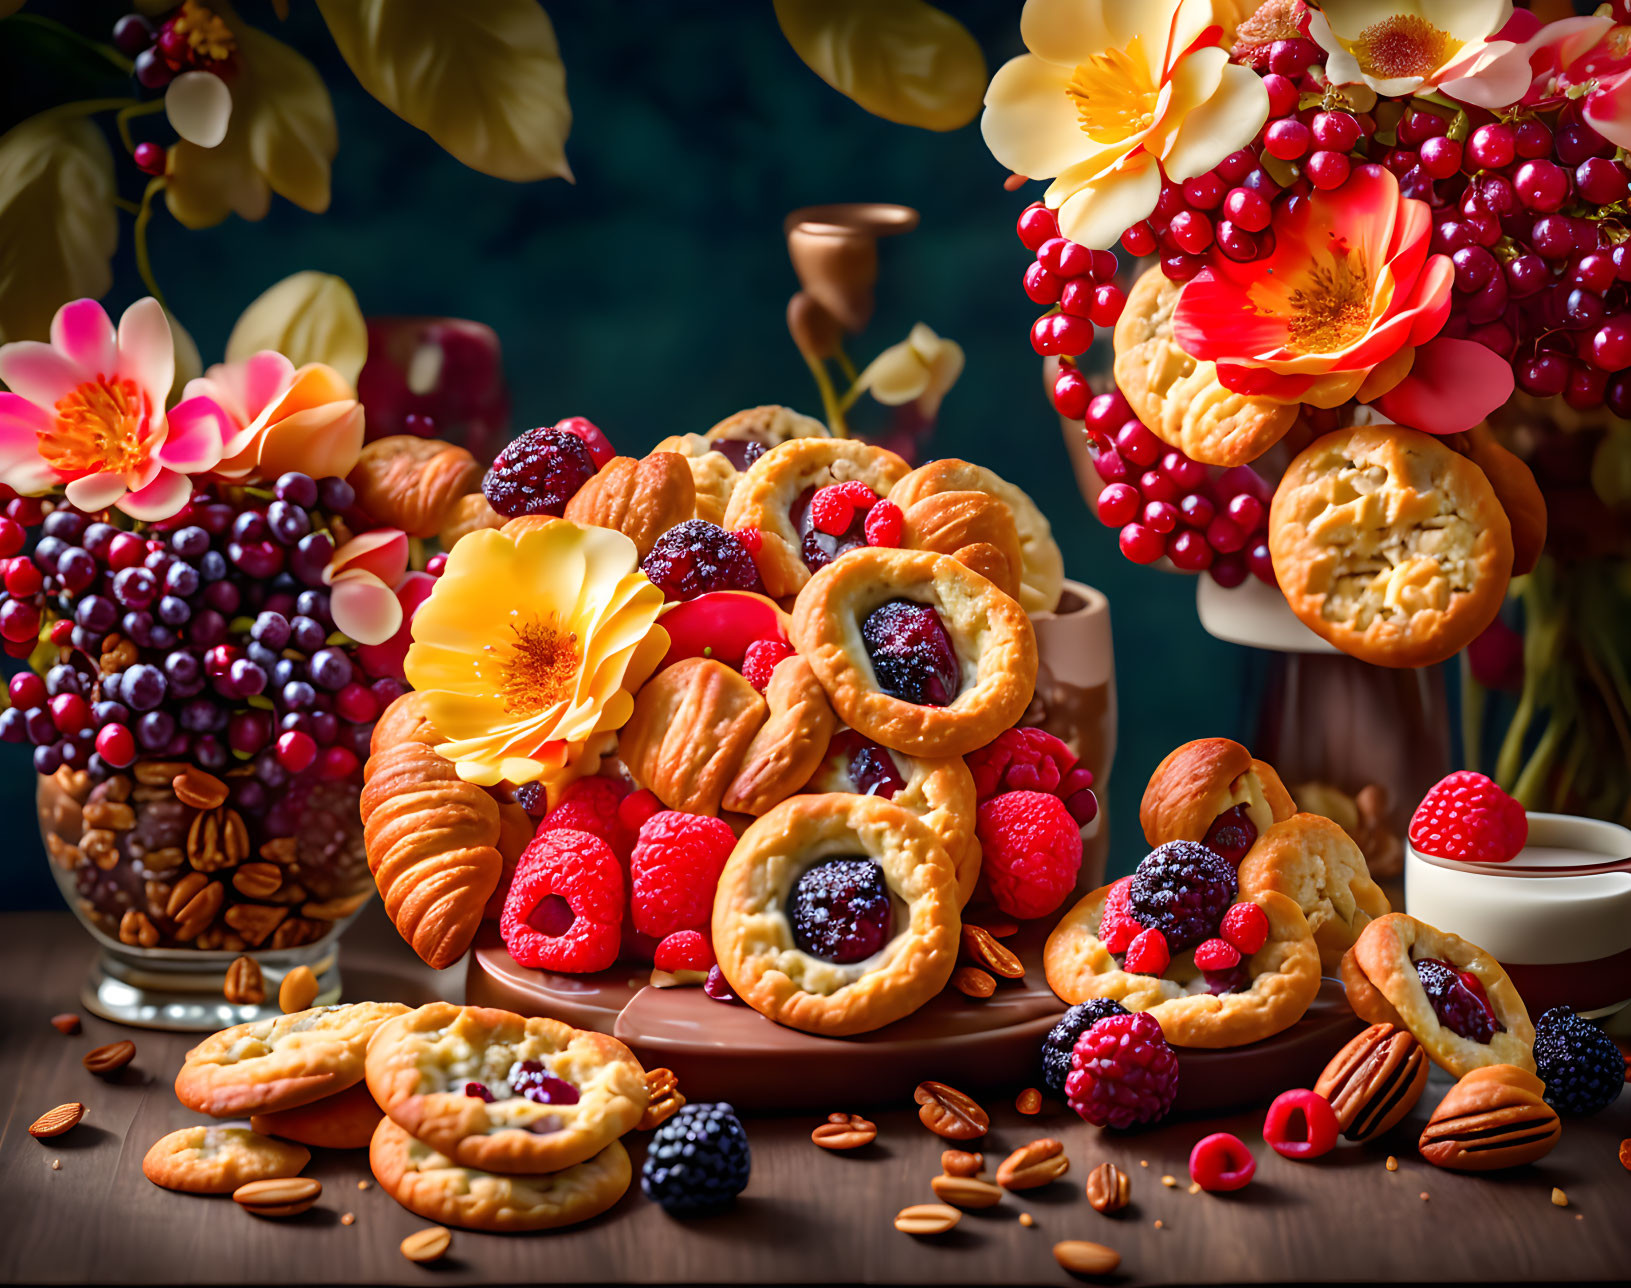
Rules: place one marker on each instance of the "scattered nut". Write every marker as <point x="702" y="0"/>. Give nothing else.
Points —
<point x="365" y="1185"/>
<point x="1026" y="1219"/>
<point x="281" y="1196"/>
<point x="298" y="990"/>
<point x="53" y="1122"/>
<point x="927" y="1218"/>
<point x="198" y="789"/>
<point x="245" y="985"/>
<point x="1423" y="1196"/>
<point x="982" y="946"/>
<point x="1083" y="1258"/>
<point x="1108" y="1189"/>
<point x="1169" y="1181"/>
<point x="1030" y="1166"/>
<point x="1559" y="1198"/>
<point x="959" y="1162"/>
<point x="56" y="1164"/>
<point x="348" y="1218"/>
<point x="1194" y="1187"/>
<point x="663" y="1099"/>
<point x="948" y="1112"/>
<point x="430" y="1244"/>
<point x="1392" y="1163"/>
<point x="971" y="981"/>
<point x="966" y="1191"/>
<point x="845" y="1131"/>
<point x="68" y="1023"/>
<point x="1159" y="1224"/>
<point x="104" y="1060"/>
<point x="1029" y="1101"/>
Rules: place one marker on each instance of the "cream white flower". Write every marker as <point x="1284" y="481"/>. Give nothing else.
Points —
<point x="922" y="368"/>
<point x="1403" y="47"/>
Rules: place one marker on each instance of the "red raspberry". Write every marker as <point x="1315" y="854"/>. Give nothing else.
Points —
<point x="1221" y="1162"/>
<point x="565" y="907"/>
<point x="1147" y="954"/>
<point x="1122" y="1072"/>
<point x="635" y="808"/>
<point x="857" y="493"/>
<point x="831" y="512"/>
<point x="884" y="524"/>
<point x="1033" y="851"/>
<point x="1217" y="955"/>
<point x="695" y="557"/>
<point x="538" y="473"/>
<point x="760" y="661"/>
<point x="1319" y="1125"/>
<point x="751" y="539"/>
<point x="675" y="869"/>
<point x="1076" y="790"/>
<point x="1023" y="760"/>
<point x="1246" y="926"/>
<point x="1117" y="927"/>
<point x="1467" y="817"/>
<point x="684" y="950"/>
<point x="600" y="447"/>
<point x="591" y="805"/>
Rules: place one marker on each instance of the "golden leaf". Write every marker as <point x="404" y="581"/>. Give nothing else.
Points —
<point x="281" y="139"/>
<point x="307" y="317"/>
<point x="58" y="226"/>
<point x="484" y="80"/>
<point x="903" y="60"/>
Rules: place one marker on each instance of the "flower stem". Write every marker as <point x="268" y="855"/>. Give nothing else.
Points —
<point x="144" y="264"/>
<point x="106" y="52"/>
<point x="829" y="397"/>
<point x="127" y="114"/>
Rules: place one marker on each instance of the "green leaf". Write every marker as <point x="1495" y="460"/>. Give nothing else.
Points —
<point x="58" y="226"/>
<point x="903" y="60"/>
<point x="484" y="79"/>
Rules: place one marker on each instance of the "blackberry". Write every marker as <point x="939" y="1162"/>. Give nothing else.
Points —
<point x="697" y="1160"/>
<point x="696" y="557"/>
<point x="912" y="656"/>
<point x="1182" y="889"/>
<point x="538" y="473"/>
<point x="1580" y="1064"/>
<point x="1061" y="1039"/>
<point x="840" y="910"/>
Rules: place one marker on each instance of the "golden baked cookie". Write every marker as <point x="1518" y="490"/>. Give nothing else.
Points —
<point x="713" y="477"/>
<point x="1383" y="976"/>
<point x="212" y="1159"/>
<point x="290" y="1060"/>
<point x="769" y="425"/>
<point x="938" y="789"/>
<point x="1390" y="545"/>
<point x="1042" y="567"/>
<point x="891" y="941"/>
<point x="973" y="527"/>
<point x="953" y="661"/>
<point x="431" y="1185"/>
<point x="1283" y="977"/>
<point x="1181" y="400"/>
<point x="343" y="1121"/>
<point x="457" y="1078"/>
<point x="1316" y="864"/>
<point x="1212" y="791"/>
<point x="774" y="497"/>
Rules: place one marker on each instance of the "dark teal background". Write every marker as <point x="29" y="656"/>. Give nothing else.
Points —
<point x="649" y="295"/>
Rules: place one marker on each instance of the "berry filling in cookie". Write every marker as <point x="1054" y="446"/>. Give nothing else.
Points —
<point x="1457" y="999"/>
<point x="840" y="910"/>
<point x="912" y="655"/>
<point x="871" y="768"/>
<point x="1183" y="890"/>
<point x="479" y="1091"/>
<point x="1231" y="834"/>
<point x="818" y="546"/>
<point x="740" y="452"/>
<point x="528" y="1079"/>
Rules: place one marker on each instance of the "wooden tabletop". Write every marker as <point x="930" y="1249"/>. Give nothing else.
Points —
<point x="807" y="1217"/>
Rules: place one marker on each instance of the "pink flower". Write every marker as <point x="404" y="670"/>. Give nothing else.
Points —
<point x="87" y="411"/>
<point x="362" y="578"/>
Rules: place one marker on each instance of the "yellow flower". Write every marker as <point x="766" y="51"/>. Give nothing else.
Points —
<point x="1405" y="47"/>
<point x="920" y="369"/>
<point x="531" y="645"/>
<point x="1112" y="94"/>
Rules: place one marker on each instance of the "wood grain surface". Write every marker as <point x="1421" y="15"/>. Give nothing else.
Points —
<point x="808" y="1216"/>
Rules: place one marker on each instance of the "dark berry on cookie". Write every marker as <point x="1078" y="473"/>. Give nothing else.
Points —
<point x="538" y="473"/>
<point x="1459" y="1008"/>
<point x="1231" y="834"/>
<point x="872" y="769"/>
<point x="740" y="452"/>
<point x="1583" y="1069"/>
<point x="698" y="1160"/>
<point x="1182" y="889"/>
<point x="696" y="557"/>
<point x="840" y="910"/>
<point x="528" y="1078"/>
<point x="912" y="655"/>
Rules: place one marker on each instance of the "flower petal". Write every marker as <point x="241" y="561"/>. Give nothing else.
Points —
<point x="364" y="607"/>
<point x="1071" y="31"/>
<point x="1609" y="113"/>
<point x="147" y="352"/>
<point x="160" y="499"/>
<point x="83" y="333"/>
<point x="382" y="552"/>
<point x="323" y="442"/>
<point x="96" y="491"/>
<point x="1101" y="211"/>
<point x="199" y="106"/>
<point x="1029" y="122"/>
<point x="1227" y="120"/>
<point x="1452" y="386"/>
<point x="39" y="373"/>
<point x="198" y="429"/>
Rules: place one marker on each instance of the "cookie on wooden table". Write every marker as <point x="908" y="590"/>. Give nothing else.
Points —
<point x="343" y="1121"/>
<point x="213" y="1159"/>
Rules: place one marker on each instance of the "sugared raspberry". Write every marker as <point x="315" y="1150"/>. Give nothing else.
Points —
<point x="1033" y="851"/>
<point x="1147" y="954"/>
<point x="684" y="950"/>
<point x="600" y="447"/>
<point x="1467" y="817"/>
<point x="1118" y="927"/>
<point x="1122" y="1072"/>
<point x="565" y="907"/>
<point x="1061" y="1040"/>
<point x="1301" y="1124"/>
<point x="1183" y="889"/>
<point x="1217" y="955"/>
<point x="760" y="660"/>
<point x="1023" y="760"/>
<point x="591" y="805"/>
<point x="675" y="869"/>
<point x="884" y="524"/>
<point x="832" y="508"/>
<point x="635" y="808"/>
<point x="1246" y="926"/>
<point x="695" y="557"/>
<point x="538" y="473"/>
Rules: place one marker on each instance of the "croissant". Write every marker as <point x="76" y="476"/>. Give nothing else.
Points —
<point x="431" y="840"/>
<point x="403" y="721"/>
<point x="412" y="483"/>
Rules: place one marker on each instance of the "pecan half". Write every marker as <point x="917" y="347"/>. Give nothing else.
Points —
<point x="959" y="1162"/>
<point x="257" y="880"/>
<point x="197" y="913"/>
<point x="113" y="815"/>
<point x="845" y="1131"/>
<point x="66" y="1023"/>
<point x="1083" y="1258"/>
<point x="1493" y="1118"/>
<point x="948" y="1112"/>
<point x="663" y="1099"/>
<point x="1031" y="1166"/>
<point x="245" y="985"/>
<point x="254" y="921"/>
<point x="1374" y="1081"/>
<point x="429" y="1244"/>
<point x="927" y="1218"/>
<point x="1108" y="1188"/>
<point x="137" y="929"/>
<point x="1029" y="1101"/>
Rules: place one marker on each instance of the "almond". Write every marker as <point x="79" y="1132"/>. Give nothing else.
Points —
<point x="1030" y="1166"/>
<point x="927" y="1218"/>
<point x="948" y="1112"/>
<point x="980" y="944"/>
<point x="971" y="981"/>
<point x="53" y="1122"/>
<point x="966" y="1191"/>
<point x="298" y="990"/>
<point x="1083" y="1258"/>
<point x="104" y="1060"/>
<point x="1108" y="1189"/>
<point x="430" y="1244"/>
<point x="281" y="1196"/>
<point x="1029" y="1101"/>
<point x="958" y="1162"/>
<point x="201" y="790"/>
<point x="67" y="1022"/>
<point x="845" y="1131"/>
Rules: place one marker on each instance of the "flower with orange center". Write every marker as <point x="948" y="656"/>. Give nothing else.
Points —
<point x="86" y="413"/>
<point x="1112" y="94"/>
<point x="532" y="645"/>
<point x="1404" y="47"/>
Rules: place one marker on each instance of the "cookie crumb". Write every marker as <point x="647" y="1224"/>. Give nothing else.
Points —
<point x="1392" y="1163"/>
<point x="1160" y="1224"/>
<point x="1143" y="1162"/>
<point x="1194" y="1187"/>
<point x="1559" y="1198"/>
<point x="1026" y="1219"/>
<point x="363" y="1185"/>
<point x="1424" y="1196"/>
<point x="350" y="1218"/>
<point x="56" y="1164"/>
<point x="1579" y="1216"/>
<point x="1169" y="1181"/>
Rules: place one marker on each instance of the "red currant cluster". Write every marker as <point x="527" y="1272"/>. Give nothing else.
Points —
<point x="1080" y="286"/>
<point x="1166" y="504"/>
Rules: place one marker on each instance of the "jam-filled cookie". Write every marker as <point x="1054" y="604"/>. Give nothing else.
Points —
<point x="1452" y="995"/>
<point x="495" y="1091"/>
<point x="212" y="1159"/>
<point x="837" y="914"/>
<point x="1218" y="964"/>
<point x="1212" y="791"/>
<point x="267" y="1065"/>
<point x="431" y="1185"/>
<point x="938" y="789"/>
<point x="917" y="651"/>
<point x="345" y="1121"/>
<point x="774" y="496"/>
<point x="1390" y="545"/>
<point x="1313" y="862"/>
